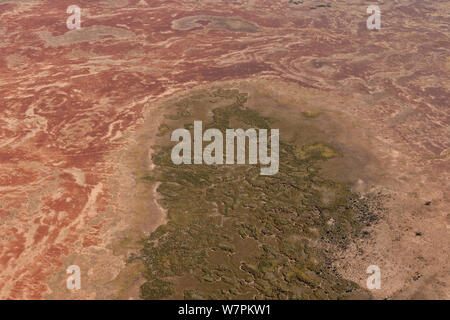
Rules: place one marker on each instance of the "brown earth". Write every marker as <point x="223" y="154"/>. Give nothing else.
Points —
<point x="79" y="110"/>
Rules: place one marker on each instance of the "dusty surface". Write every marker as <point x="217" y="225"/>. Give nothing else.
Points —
<point x="73" y="102"/>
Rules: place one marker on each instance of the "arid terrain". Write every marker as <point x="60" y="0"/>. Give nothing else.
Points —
<point x="81" y="113"/>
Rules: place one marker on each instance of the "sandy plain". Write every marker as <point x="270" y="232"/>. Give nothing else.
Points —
<point x="79" y="110"/>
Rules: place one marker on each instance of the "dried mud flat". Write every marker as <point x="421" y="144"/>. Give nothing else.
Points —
<point x="80" y="111"/>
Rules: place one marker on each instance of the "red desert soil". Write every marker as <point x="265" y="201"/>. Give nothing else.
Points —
<point x="73" y="102"/>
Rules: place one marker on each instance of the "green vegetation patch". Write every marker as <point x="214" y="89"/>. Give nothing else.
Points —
<point x="316" y="151"/>
<point x="311" y="114"/>
<point x="234" y="234"/>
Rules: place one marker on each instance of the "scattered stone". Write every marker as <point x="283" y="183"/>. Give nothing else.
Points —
<point x="417" y="276"/>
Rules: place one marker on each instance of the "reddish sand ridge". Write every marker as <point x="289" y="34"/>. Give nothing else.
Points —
<point x="69" y="98"/>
